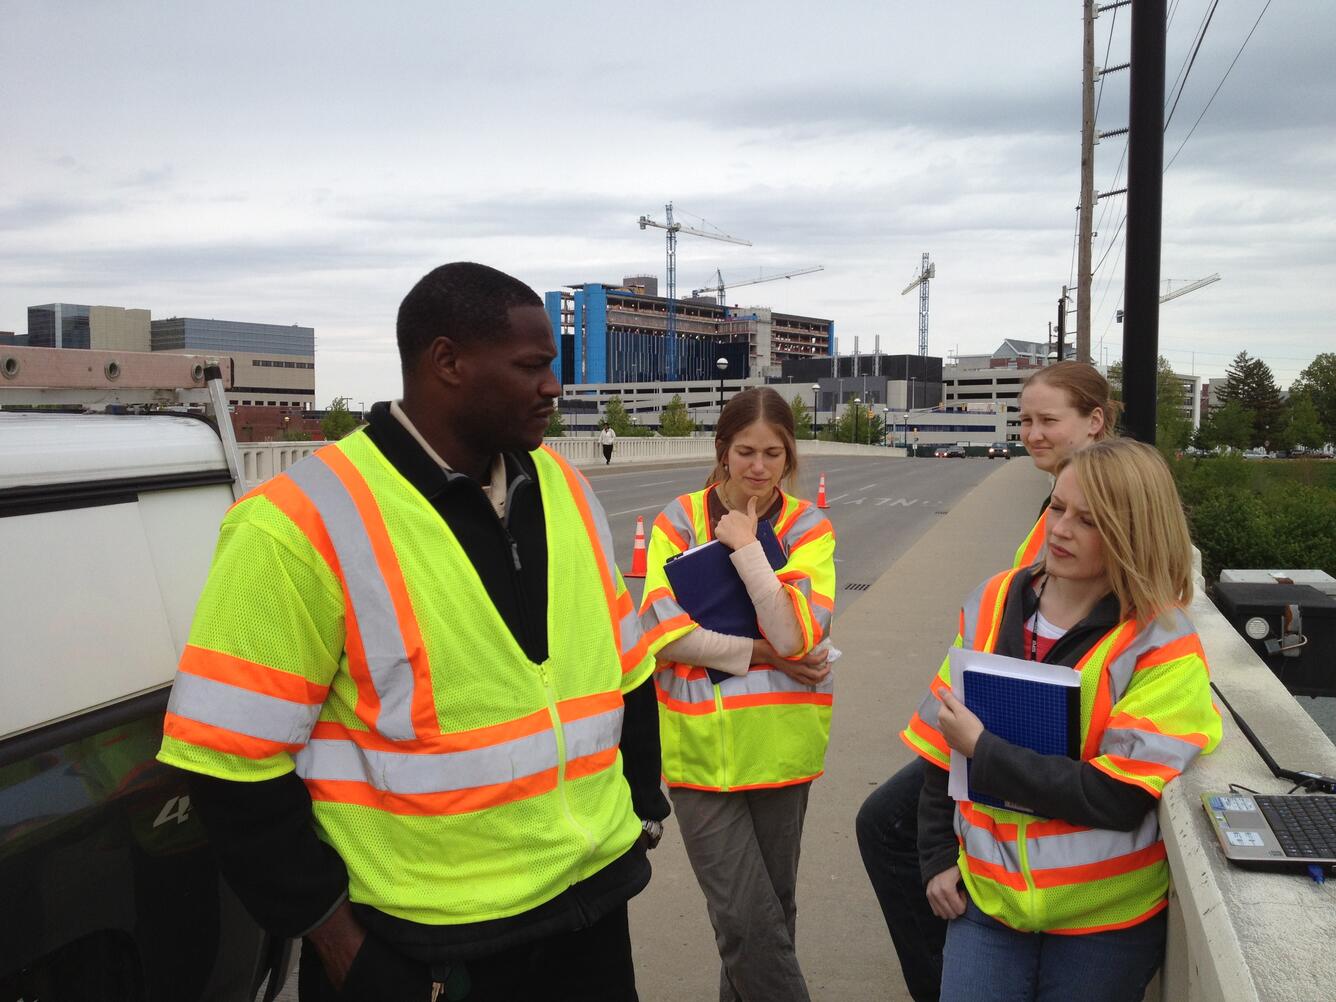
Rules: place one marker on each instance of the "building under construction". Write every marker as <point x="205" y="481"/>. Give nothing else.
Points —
<point x="609" y="333"/>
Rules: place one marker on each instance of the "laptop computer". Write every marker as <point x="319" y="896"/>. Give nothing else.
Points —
<point x="1274" y="828"/>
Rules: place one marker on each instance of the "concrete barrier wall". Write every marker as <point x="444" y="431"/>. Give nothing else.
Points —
<point x="1235" y="934"/>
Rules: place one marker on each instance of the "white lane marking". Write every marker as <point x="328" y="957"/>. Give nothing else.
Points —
<point x="833" y="500"/>
<point x="630" y="511"/>
<point x="868" y="487"/>
<point x="901" y="502"/>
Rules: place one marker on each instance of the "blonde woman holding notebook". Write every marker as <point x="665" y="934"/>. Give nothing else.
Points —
<point x="1070" y="903"/>
<point x="739" y="756"/>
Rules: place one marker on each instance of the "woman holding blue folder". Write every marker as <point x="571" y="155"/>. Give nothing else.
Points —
<point x="1067" y="899"/>
<point x="739" y="755"/>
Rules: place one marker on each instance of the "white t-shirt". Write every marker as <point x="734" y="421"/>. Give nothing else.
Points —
<point x="607" y="436"/>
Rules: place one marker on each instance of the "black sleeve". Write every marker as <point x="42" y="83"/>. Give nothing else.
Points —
<point x="1057" y="787"/>
<point x="642" y="763"/>
<point x="937" y="843"/>
<point x="267" y="849"/>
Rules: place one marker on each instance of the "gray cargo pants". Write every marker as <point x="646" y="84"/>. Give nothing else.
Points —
<point x="744" y="849"/>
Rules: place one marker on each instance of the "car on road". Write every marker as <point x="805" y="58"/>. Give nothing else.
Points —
<point x="949" y="452"/>
<point x="1256" y="453"/>
<point x="999" y="450"/>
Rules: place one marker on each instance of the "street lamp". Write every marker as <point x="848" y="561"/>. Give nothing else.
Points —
<point x="885" y="424"/>
<point x="816" y="390"/>
<point x="858" y="405"/>
<point x="721" y="364"/>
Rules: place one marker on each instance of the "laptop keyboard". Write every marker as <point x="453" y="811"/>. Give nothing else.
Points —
<point x="1304" y="826"/>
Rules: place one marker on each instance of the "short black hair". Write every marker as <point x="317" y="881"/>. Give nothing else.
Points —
<point x="463" y="301"/>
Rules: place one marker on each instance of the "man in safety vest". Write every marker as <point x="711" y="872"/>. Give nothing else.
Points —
<point x="414" y="697"/>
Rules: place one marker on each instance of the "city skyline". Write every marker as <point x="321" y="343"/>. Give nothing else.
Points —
<point x="306" y="163"/>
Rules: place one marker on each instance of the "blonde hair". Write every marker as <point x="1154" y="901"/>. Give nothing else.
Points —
<point x="760" y="403"/>
<point x="1086" y="389"/>
<point x="1135" y="506"/>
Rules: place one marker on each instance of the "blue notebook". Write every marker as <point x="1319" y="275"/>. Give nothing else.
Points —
<point x="708" y="587"/>
<point x="1028" y="703"/>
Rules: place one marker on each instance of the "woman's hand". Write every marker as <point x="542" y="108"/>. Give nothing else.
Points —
<point x="737" y="528"/>
<point x="808" y="669"/>
<point x="958" y="724"/>
<point x="945" y="896"/>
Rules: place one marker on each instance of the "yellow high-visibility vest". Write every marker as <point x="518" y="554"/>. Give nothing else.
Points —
<point x="761" y="729"/>
<point x="1033" y="544"/>
<point x="344" y="633"/>
<point x="1146" y="713"/>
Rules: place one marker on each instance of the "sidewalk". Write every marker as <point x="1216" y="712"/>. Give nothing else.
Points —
<point x="893" y="640"/>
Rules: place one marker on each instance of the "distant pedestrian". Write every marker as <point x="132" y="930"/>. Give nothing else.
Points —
<point x="606" y="438"/>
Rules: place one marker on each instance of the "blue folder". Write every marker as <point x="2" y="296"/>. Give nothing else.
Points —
<point x="708" y="587"/>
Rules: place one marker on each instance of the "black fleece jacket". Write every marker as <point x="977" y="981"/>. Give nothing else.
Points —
<point x="263" y="833"/>
<point x="1054" y="786"/>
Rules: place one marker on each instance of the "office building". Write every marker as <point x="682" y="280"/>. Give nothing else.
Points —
<point x="272" y="365"/>
<point x="609" y="334"/>
<point x="73" y="325"/>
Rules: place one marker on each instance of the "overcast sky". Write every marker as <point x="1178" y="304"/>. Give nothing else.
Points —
<point x="305" y="162"/>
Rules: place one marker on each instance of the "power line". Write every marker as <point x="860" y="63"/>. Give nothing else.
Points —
<point x="1200" y="29"/>
<point x="1110" y="246"/>
<point x="1100" y="96"/>
<point x="1217" y="88"/>
<point x="1197" y="48"/>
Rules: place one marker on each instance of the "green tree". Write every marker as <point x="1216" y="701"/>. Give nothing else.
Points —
<point x="856" y="424"/>
<point x="292" y="435"/>
<point x="1173" y="428"/>
<point x="615" y="414"/>
<point x="1318" y="383"/>
<point x="1249" y="382"/>
<point x="802" y="419"/>
<point x="675" y="422"/>
<point x="1303" y="425"/>
<point x="556" y="427"/>
<point x="1230" y="425"/>
<point x="338" y="420"/>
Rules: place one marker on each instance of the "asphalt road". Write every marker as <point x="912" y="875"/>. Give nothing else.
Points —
<point x="878" y="507"/>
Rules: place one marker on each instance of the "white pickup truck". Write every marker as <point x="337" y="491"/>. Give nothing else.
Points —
<point x="107" y="527"/>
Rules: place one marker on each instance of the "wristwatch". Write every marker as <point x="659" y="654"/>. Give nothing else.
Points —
<point x="653" y="832"/>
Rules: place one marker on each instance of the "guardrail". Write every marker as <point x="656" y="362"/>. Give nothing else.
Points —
<point x="1236" y="934"/>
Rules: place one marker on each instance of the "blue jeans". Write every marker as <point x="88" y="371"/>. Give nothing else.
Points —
<point x="887" y="830"/>
<point x="985" y="960"/>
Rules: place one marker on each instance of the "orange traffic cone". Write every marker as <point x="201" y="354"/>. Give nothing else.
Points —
<point x="821" y="493"/>
<point x="639" y="554"/>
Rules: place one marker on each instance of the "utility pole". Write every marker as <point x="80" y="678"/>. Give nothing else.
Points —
<point x="1062" y="325"/>
<point x="1087" y="207"/>
<point x="1145" y="196"/>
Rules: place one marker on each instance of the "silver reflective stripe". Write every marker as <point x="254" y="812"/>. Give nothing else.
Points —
<point x="591" y="735"/>
<point x="601" y="527"/>
<point x="972" y="608"/>
<point x="1147" y="746"/>
<point x="1157" y="635"/>
<point x="763" y="681"/>
<point x="661" y="610"/>
<point x="683" y="690"/>
<point x="400" y="772"/>
<point x="928" y="709"/>
<point x="679" y="520"/>
<point x="823" y="616"/>
<point x="803" y="584"/>
<point x="980" y="844"/>
<point x="241" y="711"/>
<point x="630" y="632"/>
<point x="810" y="518"/>
<point x="382" y="640"/>
<point x="1098" y="845"/>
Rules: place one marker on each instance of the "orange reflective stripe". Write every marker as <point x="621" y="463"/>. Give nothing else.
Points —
<point x="664" y="526"/>
<point x="787" y="518"/>
<point x="929" y="734"/>
<point x="1172" y="651"/>
<point x="777" y="699"/>
<point x="288" y="498"/>
<point x="425" y="720"/>
<point x="250" y="675"/>
<point x="533" y="723"/>
<point x="591" y="529"/>
<point x="823" y="529"/>
<point x="1103" y="704"/>
<point x="1034" y="542"/>
<point x="1112" y="926"/>
<point x="680" y="705"/>
<point x="589" y="765"/>
<point x="1129" y="722"/>
<point x="990" y="611"/>
<point x="1001" y="831"/>
<point x="1084" y="874"/>
<point x="220" y="739"/>
<point x="341" y="791"/>
<point x="997" y="874"/>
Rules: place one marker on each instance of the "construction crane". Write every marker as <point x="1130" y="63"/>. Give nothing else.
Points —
<point x="719" y="290"/>
<point x="1190" y="287"/>
<point x="927" y="271"/>
<point x="673" y="229"/>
